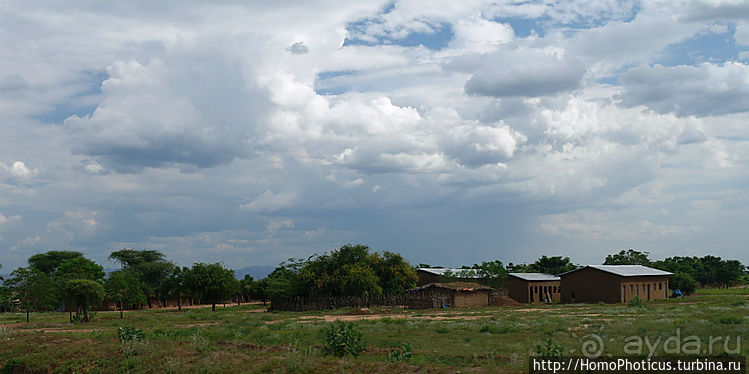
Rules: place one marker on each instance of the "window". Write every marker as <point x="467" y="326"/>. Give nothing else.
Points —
<point x="660" y="286"/>
<point x="631" y="288"/>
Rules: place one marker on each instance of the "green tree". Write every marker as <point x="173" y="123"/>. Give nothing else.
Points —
<point x="519" y="268"/>
<point x="84" y="294"/>
<point x="395" y="275"/>
<point x="628" y="257"/>
<point x="683" y="282"/>
<point x="173" y="287"/>
<point x="350" y="270"/>
<point x="552" y="265"/>
<point x="211" y="283"/>
<point x="149" y="266"/>
<point x="258" y="291"/>
<point x="284" y="281"/>
<point x="491" y="273"/>
<point x="75" y="268"/>
<point x="123" y="287"/>
<point x="359" y="280"/>
<point x="707" y="270"/>
<point x="79" y="268"/>
<point x="50" y="261"/>
<point x="34" y="288"/>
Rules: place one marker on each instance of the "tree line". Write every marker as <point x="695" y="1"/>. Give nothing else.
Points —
<point x="66" y="280"/>
<point x="689" y="272"/>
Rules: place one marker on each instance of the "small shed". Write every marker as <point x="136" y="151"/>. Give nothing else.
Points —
<point x="534" y="287"/>
<point x="432" y="275"/>
<point x="613" y="284"/>
<point x="456" y="294"/>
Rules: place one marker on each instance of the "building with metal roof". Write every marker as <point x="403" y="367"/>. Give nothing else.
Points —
<point x="432" y="275"/>
<point x="613" y="284"/>
<point x="533" y="287"/>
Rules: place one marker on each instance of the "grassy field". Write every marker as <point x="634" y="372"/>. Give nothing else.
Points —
<point x="248" y="340"/>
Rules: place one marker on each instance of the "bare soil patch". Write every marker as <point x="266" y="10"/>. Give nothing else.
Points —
<point x="505" y="301"/>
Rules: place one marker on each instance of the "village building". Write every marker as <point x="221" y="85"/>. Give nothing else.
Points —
<point x="613" y="284"/>
<point x="533" y="287"/>
<point x="455" y="294"/>
<point x="432" y="275"/>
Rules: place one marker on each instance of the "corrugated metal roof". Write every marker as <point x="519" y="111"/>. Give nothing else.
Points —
<point x="535" y="277"/>
<point x="460" y="273"/>
<point x="626" y="270"/>
<point x="457" y="286"/>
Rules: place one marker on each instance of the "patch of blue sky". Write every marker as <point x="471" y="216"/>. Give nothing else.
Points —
<point x="525" y="27"/>
<point x="333" y="74"/>
<point x="612" y="80"/>
<point x="709" y="46"/>
<point x="325" y="84"/>
<point x="80" y="104"/>
<point x="432" y="40"/>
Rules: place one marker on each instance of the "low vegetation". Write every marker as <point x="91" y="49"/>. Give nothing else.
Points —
<point x="248" y="339"/>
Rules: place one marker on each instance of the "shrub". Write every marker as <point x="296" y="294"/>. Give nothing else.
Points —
<point x="549" y="350"/>
<point x="683" y="282"/>
<point x="5" y="332"/>
<point x="343" y="339"/>
<point x="202" y="344"/>
<point x="133" y="340"/>
<point x="401" y="354"/>
<point x="636" y="302"/>
<point x="10" y="366"/>
<point x="731" y="320"/>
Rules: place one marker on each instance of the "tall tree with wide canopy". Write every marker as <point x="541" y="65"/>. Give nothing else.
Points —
<point x="84" y="294"/>
<point x="75" y="268"/>
<point x="50" y="261"/>
<point x="628" y="257"/>
<point x="552" y="265"/>
<point x="173" y="287"/>
<point x="123" y="287"/>
<point x="350" y="270"/>
<point x="491" y="273"/>
<point x="211" y="283"/>
<point x="149" y="266"/>
<point x="34" y="289"/>
<point x="394" y="273"/>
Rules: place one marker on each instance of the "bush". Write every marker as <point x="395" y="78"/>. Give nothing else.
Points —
<point x="401" y="354"/>
<point x="133" y="340"/>
<point x="343" y="339"/>
<point x="549" y="350"/>
<point x="683" y="282"/>
<point x="6" y="332"/>
<point x="636" y="302"/>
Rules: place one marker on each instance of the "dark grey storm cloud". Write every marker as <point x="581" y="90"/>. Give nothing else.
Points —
<point x="704" y="90"/>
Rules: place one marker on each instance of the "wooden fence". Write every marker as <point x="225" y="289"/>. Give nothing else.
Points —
<point x="301" y="304"/>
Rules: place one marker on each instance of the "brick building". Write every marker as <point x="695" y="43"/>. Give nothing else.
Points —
<point x="533" y="287"/>
<point x="613" y="284"/>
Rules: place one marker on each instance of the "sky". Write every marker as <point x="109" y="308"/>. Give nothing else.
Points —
<point x="452" y="132"/>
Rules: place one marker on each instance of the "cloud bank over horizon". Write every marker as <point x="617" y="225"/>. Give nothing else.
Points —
<point x="453" y="133"/>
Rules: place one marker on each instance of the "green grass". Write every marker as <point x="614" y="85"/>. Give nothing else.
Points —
<point x="235" y="339"/>
<point x="723" y="291"/>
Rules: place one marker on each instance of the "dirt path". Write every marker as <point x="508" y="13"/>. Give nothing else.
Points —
<point x="348" y="318"/>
